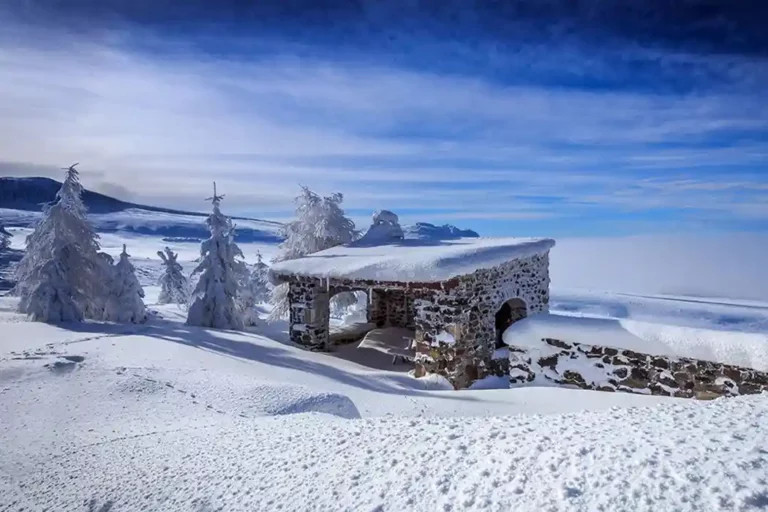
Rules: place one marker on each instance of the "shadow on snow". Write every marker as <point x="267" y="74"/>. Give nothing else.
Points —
<point x="222" y="342"/>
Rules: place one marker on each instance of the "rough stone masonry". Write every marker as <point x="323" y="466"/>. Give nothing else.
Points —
<point x="465" y="309"/>
<point x="454" y="320"/>
<point x="609" y="369"/>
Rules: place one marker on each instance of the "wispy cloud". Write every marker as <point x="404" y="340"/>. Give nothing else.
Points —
<point x="159" y="124"/>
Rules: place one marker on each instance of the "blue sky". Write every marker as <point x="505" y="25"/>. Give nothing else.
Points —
<point x="524" y="117"/>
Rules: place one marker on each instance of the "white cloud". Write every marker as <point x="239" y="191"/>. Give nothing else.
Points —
<point x="160" y="126"/>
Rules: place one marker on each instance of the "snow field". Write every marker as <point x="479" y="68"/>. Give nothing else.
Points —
<point x="686" y="456"/>
<point x="168" y="417"/>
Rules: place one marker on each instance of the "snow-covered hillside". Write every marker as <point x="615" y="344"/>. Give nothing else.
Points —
<point x="169" y="417"/>
<point x="21" y="201"/>
<point x="168" y="226"/>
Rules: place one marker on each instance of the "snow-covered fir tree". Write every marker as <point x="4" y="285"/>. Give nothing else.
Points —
<point x="174" y="287"/>
<point x="5" y="239"/>
<point x="260" y="285"/>
<point x="320" y="224"/>
<point x="62" y="267"/>
<point x="95" y="307"/>
<point x="221" y="268"/>
<point x="125" y="302"/>
<point x="254" y="289"/>
<point x="51" y="298"/>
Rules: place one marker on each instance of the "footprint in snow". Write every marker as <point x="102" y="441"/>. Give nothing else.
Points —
<point x="68" y="364"/>
<point x="61" y="366"/>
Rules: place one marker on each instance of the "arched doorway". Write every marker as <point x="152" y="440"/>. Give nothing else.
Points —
<point x="509" y="313"/>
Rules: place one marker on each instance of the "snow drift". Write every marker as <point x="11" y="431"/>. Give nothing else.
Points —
<point x="748" y="350"/>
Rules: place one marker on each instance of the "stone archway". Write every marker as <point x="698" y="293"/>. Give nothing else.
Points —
<point x="510" y="312"/>
<point x="345" y="302"/>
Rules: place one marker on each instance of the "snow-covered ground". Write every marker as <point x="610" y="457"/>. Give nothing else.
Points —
<point x="162" y="416"/>
<point x="165" y="417"/>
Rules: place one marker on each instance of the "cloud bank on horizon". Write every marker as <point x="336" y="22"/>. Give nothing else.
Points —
<point x="527" y="118"/>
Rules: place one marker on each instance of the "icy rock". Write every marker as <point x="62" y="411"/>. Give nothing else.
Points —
<point x="385" y="228"/>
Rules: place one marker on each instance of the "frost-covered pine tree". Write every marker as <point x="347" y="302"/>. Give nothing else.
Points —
<point x="62" y="277"/>
<point x="320" y="224"/>
<point x="95" y="307"/>
<point x="260" y="285"/>
<point x="125" y="302"/>
<point x="220" y="268"/>
<point x="5" y="239"/>
<point x="246" y="302"/>
<point x="174" y="288"/>
<point x="254" y="289"/>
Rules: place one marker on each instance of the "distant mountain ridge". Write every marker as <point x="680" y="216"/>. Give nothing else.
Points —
<point x="30" y="194"/>
<point x="22" y="201"/>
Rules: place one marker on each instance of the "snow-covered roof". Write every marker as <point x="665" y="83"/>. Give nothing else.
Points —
<point x="413" y="260"/>
<point x="735" y="348"/>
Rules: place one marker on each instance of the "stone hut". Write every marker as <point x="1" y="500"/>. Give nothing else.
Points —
<point x="450" y="293"/>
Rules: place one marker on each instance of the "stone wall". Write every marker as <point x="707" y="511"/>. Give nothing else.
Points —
<point x="392" y="308"/>
<point x="609" y="369"/>
<point x="309" y="312"/>
<point x="389" y="305"/>
<point x="456" y="333"/>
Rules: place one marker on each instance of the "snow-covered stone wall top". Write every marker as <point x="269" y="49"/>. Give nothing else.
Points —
<point x="734" y="348"/>
<point x="407" y="260"/>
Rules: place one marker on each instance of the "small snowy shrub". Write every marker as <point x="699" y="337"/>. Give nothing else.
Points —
<point x="125" y="302"/>
<point x="254" y="288"/>
<point x="174" y="288"/>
